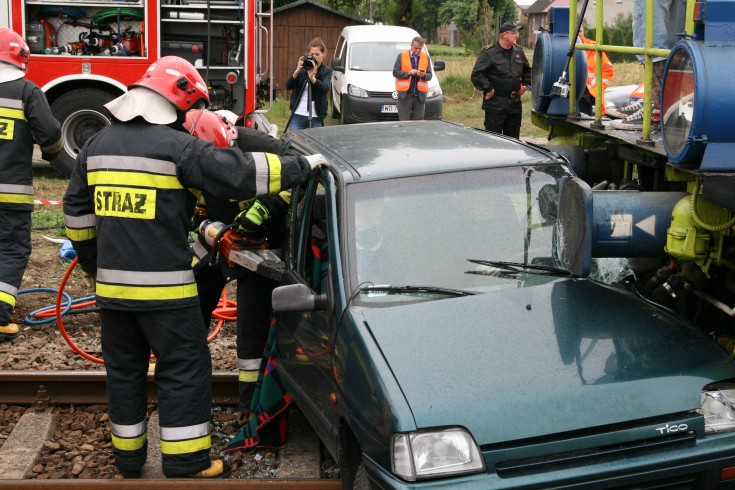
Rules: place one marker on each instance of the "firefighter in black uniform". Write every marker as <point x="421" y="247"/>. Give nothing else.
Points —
<point x="24" y="116"/>
<point x="264" y="218"/>
<point x="503" y="75"/>
<point x="127" y="210"/>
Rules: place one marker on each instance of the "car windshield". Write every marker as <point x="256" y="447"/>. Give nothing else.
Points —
<point x="445" y="230"/>
<point x="375" y="56"/>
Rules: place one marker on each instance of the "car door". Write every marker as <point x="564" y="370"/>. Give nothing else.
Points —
<point x="306" y="338"/>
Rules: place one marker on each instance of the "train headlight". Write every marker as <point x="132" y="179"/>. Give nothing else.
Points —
<point x="697" y="103"/>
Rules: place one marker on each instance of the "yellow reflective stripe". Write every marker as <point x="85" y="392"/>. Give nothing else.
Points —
<point x="184" y="447"/>
<point x="81" y="235"/>
<point x="146" y="293"/>
<point x="108" y="177"/>
<point x="16" y="198"/>
<point x="125" y="444"/>
<point x="12" y="113"/>
<point x="248" y="376"/>
<point x="7" y="298"/>
<point x="274" y="166"/>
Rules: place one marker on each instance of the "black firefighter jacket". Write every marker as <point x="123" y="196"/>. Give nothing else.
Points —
<point x="505" y="71"/>
<point x="24" y="115"/>
<point x="128" y="216"/>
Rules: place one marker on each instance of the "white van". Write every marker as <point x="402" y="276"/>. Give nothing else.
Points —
<point x="363" y="86"/>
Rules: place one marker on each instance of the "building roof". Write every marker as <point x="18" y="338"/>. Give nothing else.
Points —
<point x="299" y="3"/>
<point x="542" y="6"/>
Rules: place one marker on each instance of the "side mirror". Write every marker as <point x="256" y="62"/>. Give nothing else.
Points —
<point x="337" y="65"/>
<point x="298" y="297"/>
<point x="439" y="65"/>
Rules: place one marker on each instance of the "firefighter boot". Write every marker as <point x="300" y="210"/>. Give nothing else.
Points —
<point x="217" y="469"/>
<point x="9" y="331"/>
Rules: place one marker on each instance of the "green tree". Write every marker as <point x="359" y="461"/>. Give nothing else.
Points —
<point x="404" y="13"/>
<point x="624" y="22"/>
<point x="617" y="40"/>
<point x="629" y="42"/>
<point x="464" y="14"/>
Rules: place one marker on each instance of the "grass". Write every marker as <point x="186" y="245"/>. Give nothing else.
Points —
<point x="462" y="103"/>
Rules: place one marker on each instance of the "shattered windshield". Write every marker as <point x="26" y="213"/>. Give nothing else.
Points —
<point x="421" y="230"/>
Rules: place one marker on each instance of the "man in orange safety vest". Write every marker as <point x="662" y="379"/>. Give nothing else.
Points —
<point x="413" y="72"/>
<point x="607" y="72"/>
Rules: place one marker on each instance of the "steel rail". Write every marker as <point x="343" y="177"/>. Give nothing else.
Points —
<point x="89" y="387"/>
<point x="175" y="484"/>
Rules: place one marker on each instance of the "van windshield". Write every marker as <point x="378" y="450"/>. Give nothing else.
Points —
<point x="375" y="56"/>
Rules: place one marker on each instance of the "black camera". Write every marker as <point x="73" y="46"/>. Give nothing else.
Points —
<point x="309" y="62"/>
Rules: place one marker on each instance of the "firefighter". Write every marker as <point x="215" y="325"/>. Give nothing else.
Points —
<point x="127" y="210"/>
<point x="24" y="116"/>
<point x="264" y="218"/>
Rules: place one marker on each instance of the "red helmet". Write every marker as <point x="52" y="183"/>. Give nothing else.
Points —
<point x="212" y="127"/>
<point x="14" y="49"/>
<point x="177" y="80"/>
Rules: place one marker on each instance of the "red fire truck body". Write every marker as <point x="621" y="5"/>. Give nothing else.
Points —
<point x="84" y="53"/>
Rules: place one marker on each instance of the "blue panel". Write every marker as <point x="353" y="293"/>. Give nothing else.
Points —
<point x="549" y="59"/>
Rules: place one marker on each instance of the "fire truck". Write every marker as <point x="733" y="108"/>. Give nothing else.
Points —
<point x="663" y="198"/>
<point x="85" y="53"/>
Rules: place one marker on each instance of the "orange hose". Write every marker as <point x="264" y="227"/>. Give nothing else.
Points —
<point x="226" y="310"/>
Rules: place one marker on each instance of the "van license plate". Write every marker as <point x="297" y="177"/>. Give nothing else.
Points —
<point x="389" y="108"/>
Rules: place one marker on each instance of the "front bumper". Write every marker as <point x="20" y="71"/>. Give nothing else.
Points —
<point x="697" y="464"/>
<point x="362" y="110"/>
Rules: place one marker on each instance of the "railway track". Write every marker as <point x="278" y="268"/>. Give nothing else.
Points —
<point x="42" y="388"/>
<point x="58" y="436"/>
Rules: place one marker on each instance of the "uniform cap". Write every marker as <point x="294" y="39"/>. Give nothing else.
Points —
<point x="509" y="26"/>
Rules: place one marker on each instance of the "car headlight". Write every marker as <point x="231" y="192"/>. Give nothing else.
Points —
<point x="718" y="408"/>
<point x="434" y="92"/>
<point x="445" y="452"/>
<point x="356" y="91"/>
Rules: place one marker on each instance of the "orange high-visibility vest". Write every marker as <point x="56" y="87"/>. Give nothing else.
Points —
<point x="402" y="84"/>
<point x="607" y="71"/>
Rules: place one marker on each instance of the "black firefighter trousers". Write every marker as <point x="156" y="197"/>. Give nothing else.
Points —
<point x="183" y="379"/>
<point x="253" y="317"/>
<point x="15" y="249"/>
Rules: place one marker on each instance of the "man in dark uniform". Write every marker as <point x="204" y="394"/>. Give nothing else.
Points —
<point x="24" y="116"/>
<point x="503" y="75"/>
<point x="127" y="210"/>
<point x="265" y="218"/>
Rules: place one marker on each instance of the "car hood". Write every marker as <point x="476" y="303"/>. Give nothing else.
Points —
<point x="377" y="81"/>
<point x="528" y="362"/>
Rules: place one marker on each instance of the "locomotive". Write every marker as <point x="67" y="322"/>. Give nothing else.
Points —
<point x="665" y="199"/>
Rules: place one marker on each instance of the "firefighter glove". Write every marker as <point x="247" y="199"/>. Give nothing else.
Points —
<point x="49" y="156"/>
<point x="317" y="160"/>
<point x="90" y="281"/>
<point x="251" y="220"/>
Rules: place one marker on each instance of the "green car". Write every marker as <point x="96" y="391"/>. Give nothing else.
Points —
<point x="430" y="336"/>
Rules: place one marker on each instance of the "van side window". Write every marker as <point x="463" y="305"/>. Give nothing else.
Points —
<point x="340" y="46"/>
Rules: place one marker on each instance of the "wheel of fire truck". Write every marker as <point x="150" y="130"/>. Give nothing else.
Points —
<point x="81" y="115"/>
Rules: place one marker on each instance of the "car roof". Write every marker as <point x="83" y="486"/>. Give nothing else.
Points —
<point x="390" y="149"/>
<point x="378" y="33"/>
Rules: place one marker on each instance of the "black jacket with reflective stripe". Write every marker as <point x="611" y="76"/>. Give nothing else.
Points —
<point x="133" y="180"/>
<point x="24" y="115"/>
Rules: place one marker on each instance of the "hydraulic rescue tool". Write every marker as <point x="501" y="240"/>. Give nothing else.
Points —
<point x="236" y="249"/>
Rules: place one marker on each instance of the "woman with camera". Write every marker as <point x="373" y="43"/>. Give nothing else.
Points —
<point x="310" y="83"/>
